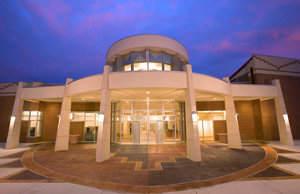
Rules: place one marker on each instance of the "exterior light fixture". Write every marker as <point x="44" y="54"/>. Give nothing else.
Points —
<point x="215" y="98"/>
<point x="71" y="116"/>
<point x="236" y="114"/>
<point x="195" y="116"/>
<point x="58" y="116"/>
<point x="82" y="99"/>
<point x="285" y="117"/>
<point x="147" y="92"/>
<point x="101" y="117"/>
<point x="12" y="119"/>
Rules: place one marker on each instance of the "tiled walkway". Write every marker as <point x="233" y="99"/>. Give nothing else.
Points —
<point x="153" y="168"/>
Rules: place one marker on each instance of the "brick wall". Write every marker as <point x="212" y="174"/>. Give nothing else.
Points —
<point x="6" y="107"/>
<point x="269" y="120"/>
<point x="219" y="127"/>
<point x="50" y="120"/>
<point x="290" y="88"/>
<point x="23" y="132"/>
<point x="30" y="106"/>
<point x="210" y="105"/>
<point x="76" y="128"/>
<point x="85" y="106"/>
<point x="258" y="123"/>
<point x="245" y="119"/>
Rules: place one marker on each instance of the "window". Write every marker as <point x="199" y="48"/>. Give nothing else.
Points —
<point x="144" y="61"/>
<point x="35" y="122"/>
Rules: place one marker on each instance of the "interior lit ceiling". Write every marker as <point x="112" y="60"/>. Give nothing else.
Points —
<point x="147" y="94"/>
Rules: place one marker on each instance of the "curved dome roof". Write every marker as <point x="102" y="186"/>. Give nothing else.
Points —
<point x="142" y="42"/>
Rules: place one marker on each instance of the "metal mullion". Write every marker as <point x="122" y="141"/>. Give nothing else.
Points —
<point x="162" y="63"/>
<point x="174" y="115"/>
<point x="147" y="58"/>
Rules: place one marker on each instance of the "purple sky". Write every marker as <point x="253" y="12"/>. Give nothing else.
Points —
<point x="52" y="40"/>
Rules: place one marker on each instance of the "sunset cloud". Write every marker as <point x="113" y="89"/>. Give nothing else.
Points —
<point x="52" y="40"/>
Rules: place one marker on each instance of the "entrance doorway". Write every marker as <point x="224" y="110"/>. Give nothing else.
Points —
<point x="148" y="132"/>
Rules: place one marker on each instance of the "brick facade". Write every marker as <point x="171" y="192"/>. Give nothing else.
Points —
<point x="269" y="119"/>
<point x="76" y="128"/>
<point x="6" y="107"/>
<point x="50" y="120"/>
<point x="219" y="127"/>
<point x="290" y="88"/>
<point x="210" y="105"/>
<point x="85" y="106"/>
<point x="245" y="119"/>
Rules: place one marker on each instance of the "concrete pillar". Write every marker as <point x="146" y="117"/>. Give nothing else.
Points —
<point x="13" y="136"/>
<point x="63" y="131"/>
<point x="193" y="144"/>
<point x="233" y="132"/>
<point x="103" y="140"/>
<point x="285" y="133"/>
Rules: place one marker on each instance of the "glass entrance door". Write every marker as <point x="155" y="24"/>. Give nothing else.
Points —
<point x="148" y="130"/>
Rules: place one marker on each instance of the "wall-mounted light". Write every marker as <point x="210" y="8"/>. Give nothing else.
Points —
<point x="12" y="119"/>
<point x="236" y="114"/>
<point x="71" y="116"/>
<point x="285" y="117"/>
<point x="195" y="115"/>
<point x="58" y="116"/>
<point x="101" y="116"/>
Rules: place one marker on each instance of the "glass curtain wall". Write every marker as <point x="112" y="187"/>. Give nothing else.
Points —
<point x="147" y="60"/>
<point x="35" y="121"/>
<point x="206" y="124"/>
<point x="91" y="123"/>
<point x="147" y="122"/>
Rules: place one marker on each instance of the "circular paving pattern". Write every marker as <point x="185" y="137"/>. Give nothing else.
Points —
<point x="149" y="168"/>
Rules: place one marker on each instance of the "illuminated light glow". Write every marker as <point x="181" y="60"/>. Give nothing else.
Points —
<point x="215" y="98"/>
<point x="236" y="114"/>
<point x="127" y="67"/>
<point x="117" y="118"/>
<point x="147" y="92"/>
<point x="34" y="113"/>
<point x="195" y="115"/>
<point x="147" y="97"/>
<point x="101" y="117"/>
<point x="71" y="116"/>
<point x="82" y="99"/>
<point x="155" y="66"/>
<point x="128" y="118"/>
<point x="167" y="67"/>
<point x="140" y="66"/>
<point x="285" y="117"/>
<point x="12" y="119"/>
<point x="167" y="118"/>
<point x="143" y="67"/>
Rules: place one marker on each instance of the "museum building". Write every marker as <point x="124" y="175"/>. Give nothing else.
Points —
<point x="148" y="94"/>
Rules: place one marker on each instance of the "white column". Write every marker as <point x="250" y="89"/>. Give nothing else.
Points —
<point x="63" y="131"/>
<point x="13" y="136"/>
<point x="193" y="144"/>
<point x="285" y="133"/>
<point x="103" y="140"/>
<point x="233" y="132"/>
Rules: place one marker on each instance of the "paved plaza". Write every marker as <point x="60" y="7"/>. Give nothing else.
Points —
<point x="260" y="167"/>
